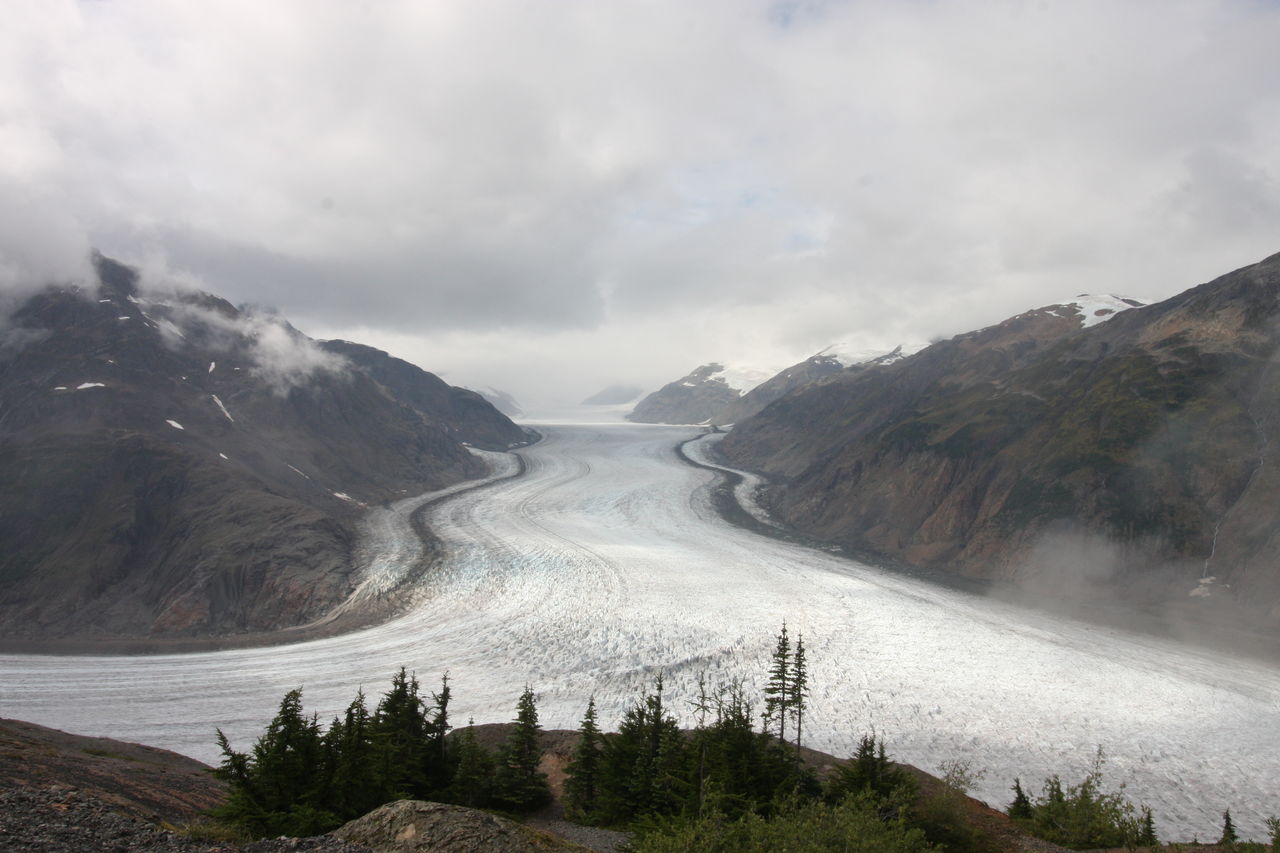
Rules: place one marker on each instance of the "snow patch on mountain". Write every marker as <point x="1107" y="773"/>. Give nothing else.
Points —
<point x="742" y="378"/>
<point x="1095" y="309"/>
<point x="848" y="353"/>
<point x="222" y="407"/>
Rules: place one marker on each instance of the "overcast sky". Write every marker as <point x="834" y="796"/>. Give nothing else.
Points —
<point x="549" y="196"/>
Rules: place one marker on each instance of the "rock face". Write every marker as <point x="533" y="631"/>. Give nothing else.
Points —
<point x="1064" y="453"/>
<point x="700" y="397"/>
<point x="177" y="467"/>
<point x="407" y="826"/>
<point x="463" y="414"/>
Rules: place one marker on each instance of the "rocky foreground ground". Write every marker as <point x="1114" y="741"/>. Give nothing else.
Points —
<point x="60" y="819"/>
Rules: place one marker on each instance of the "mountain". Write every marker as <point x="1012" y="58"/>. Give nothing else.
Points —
<point x="503" y="402"/>
<point x="462" y="413"/>
<point x="698" y="397"/>
<point x="176" y="466"/>
<point x="829" y="361"/>
<point x="614" y="395"/>
<point x="1072" y="456"/>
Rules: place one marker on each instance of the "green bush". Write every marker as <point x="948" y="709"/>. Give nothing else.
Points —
<point x="853" y="825"/>
<point x="1085" y="816"/>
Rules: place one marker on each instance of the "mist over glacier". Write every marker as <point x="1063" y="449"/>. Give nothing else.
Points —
<point x="606" y="565"/>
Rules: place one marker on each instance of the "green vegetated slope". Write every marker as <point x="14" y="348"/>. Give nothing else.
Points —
<point x="1057" y="456"/>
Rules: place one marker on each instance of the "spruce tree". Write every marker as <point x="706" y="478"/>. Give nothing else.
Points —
<point x="438" y="764"/>
<point x="349" y="751"/>
<point x="777" y="691"/>
<point x="1228" y="829"/>
<point x="1147" y="830"/>
<point x="582" y="786"/>
<point x="799" y="693"/>
<point x="286" y="757"/>
<point x="1020" y="808"/>
<point x="518" y="784"/>
<point x="868" y="772"/>
<point x="472" y="780"/>
<point x="278" y="787"/>
<point x="639" y="763"/>
<point x="399" y="733"/>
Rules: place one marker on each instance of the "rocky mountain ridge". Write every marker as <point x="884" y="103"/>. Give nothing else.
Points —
<point x="1072" y="456"/>
<point x="699" y="396"/>
<point x="180" y="467"/>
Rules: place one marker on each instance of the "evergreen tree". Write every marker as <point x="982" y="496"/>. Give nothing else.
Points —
<point x="799" y="690"/>
<point x="1147" y="830"/>
<point x="518" y="784"/>
<point x="277" y="787"/>
<point x="869" y="772"/>
<point x="642" y="764"/>
<point x="1228" y="829"/>
<point x="439" y="765"/>
<point x="351" y="763"/>
<point x="740" y="769"/>
<point x="472" y="781"/>
<point x="581" y="788"/>
<point x="777" y="691"/>
<point x="1020" y="808"/>
<point x="399" y="734"/>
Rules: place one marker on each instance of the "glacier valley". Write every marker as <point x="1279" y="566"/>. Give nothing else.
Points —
<point x="606" y="564"/>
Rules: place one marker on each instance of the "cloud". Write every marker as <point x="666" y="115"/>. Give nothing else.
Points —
<point x="589" y="170"/>
<point x="280" y="355"/>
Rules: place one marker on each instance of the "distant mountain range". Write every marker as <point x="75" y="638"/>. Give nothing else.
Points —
<point x="1072" y="456"/>
<point x="503" y="402"/>
<point x="175" y="466"/>
<point x="720" y="395"/>
<point x="614" y="395"/>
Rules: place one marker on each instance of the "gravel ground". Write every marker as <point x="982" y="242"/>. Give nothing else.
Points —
<point x="59" y="819"/>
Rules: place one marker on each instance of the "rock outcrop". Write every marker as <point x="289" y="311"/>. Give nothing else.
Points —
<point x="414" y="826"/>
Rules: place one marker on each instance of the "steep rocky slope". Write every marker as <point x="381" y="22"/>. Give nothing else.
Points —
<point x="1073" y="456"/>
<point x="462" y="413"/>
<point x="175" y="466"/>
<point x="698" y="397"/>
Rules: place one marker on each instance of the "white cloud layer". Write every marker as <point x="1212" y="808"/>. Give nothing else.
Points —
<point x="573" y="193"/>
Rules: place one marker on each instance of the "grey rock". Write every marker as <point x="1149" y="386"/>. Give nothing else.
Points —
<point x="413" y="825"/>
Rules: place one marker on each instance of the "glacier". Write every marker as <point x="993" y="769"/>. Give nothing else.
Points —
<point x="605" y="564"/>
